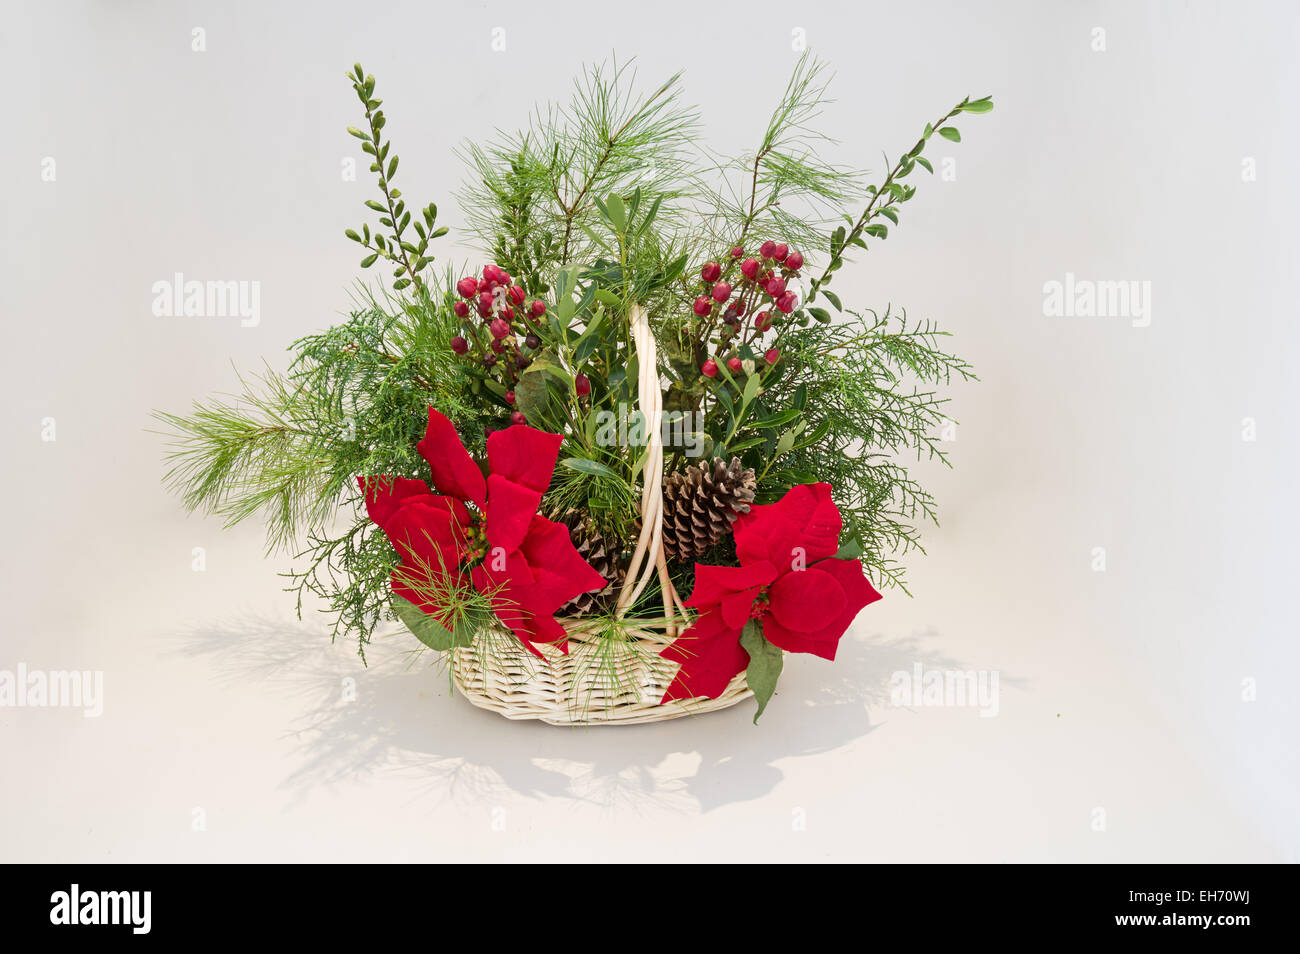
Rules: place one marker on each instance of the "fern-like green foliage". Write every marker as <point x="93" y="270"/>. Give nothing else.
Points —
<point x="287" y="447"/>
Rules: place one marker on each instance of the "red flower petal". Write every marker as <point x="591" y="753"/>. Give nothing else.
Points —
<point x="561" y="572"/>
<point x="428" y="532"/>
<point x="492" y="574"/>
<point x="806" y="518"/>
<point x="806" y="602"/>
<point x="858" y="593"/>
<point x="510" y="511"/>
<point x="711" y="656"/>
<point x="738" y="607"/>
<point x="523" y="607"/>
<point x="385" y="494"/>
<point x="524" y="455"/>
<point x="454" y="471"/>
<point x="713" y="583"/>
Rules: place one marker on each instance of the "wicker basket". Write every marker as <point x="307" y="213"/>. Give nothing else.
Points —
<point x="586" y="686"/>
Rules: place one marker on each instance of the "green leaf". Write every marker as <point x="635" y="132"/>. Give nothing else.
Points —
<point x="423" y="626"/>
<point x="736" y="446"/>
<point x="776" y="420"/>
<point x="532" y="394"/>
<point x="369" y="260"/>
<point x="925" y="164"/>
<point x="616" y="212"/>
<point x="765" y="663"/>
<point x="984" y="105"/>
<point x="950" y="133"/>
<point x="821" y="314"/>
<point x="849" y="550"/>
<point x="592" y="467"/>
<point x="609" y="298"/>
<point x="833" y="298"/>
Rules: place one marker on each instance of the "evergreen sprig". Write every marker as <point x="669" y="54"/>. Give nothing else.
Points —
<point x="408" y="254"/>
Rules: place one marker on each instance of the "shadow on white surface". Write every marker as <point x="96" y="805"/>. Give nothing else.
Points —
<point x="399" y="714"/>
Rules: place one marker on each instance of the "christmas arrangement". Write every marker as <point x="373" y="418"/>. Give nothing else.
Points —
<point x="620" y="466"/>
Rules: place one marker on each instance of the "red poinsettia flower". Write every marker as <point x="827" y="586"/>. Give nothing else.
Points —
<point x="501" y="545"/>
<point x="788" y="579"/>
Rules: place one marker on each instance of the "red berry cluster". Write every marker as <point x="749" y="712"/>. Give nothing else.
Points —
<point x="507" y="319"/>
<point x="762" y="287"/>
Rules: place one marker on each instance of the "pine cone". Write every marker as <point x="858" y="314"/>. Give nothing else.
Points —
<point x="701" y="503"/>
<point x="601" y="553"/>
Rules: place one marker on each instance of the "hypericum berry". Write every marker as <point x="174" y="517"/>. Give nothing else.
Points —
<point x="459" y="345"/>
<point x="485" y="300"/>
<point x="508" y="314"/>
<point x="735" y="365"/>
<point x="749" y="268"/>
<point x="461" y="309"/>
<point x="498" y="345"/>
<point x="702" y="306"/>
<point x="709" y="368"/>
<point x="510" y="397"/>
<point x="767" y="248"/>
<point x="517" y="417"/>
<point x="489" y="360"/>
<point x="794" y="262"/>
<point x="773" y="355"/>
<point x="522" y="361"/>
<point x="721" y="291"/>
<point x="496" y="275"/>
<point x="532" y="341"/>
<point x="781" y="252"/>
<point x="787" y="302"/>
<point x="737" y="252"/>
<point x="539" y="308"/>
<point x="582" y="384"/>
<point x="711" y="272"/>
<point x="763" y="320"/>
<point x="499" y="327"/>
<point x="516" y="295"/>
<point x="775" y="287"/>
<point x="467" y="287"/>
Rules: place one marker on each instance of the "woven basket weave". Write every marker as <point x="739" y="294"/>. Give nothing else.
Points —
<point x="586" y="686"/>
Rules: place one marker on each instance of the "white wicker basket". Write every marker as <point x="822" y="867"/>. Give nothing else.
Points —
<point x="586" y="686"/>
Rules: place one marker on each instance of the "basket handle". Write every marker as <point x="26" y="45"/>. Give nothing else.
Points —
<point x="648" y="558"/>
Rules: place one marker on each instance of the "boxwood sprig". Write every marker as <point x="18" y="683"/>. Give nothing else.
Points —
<point x="399" y="241"/>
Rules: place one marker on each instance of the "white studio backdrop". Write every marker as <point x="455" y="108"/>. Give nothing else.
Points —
<point x="1117" y="536"/>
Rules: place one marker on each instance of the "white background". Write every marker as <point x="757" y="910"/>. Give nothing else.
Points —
<point x="1122" y="690"/>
